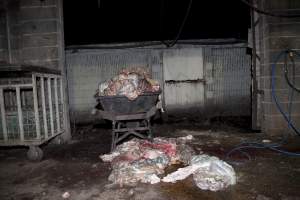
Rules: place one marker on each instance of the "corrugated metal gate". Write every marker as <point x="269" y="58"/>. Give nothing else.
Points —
<point x="213" y="79"/>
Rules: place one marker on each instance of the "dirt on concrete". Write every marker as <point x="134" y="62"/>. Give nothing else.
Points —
<point x="75" y="168"/>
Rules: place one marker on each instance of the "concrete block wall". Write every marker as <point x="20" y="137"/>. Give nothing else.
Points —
<point x="278" y="34"/>
<point x="14" y="36"/>
<point x="35" y="32"/>
<point x="40" y="32"/>
<point x="3" y="35"/>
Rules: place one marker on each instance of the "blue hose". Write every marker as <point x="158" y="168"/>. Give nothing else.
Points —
<point x="273" y="146"/>
<point x="290" y="124"/>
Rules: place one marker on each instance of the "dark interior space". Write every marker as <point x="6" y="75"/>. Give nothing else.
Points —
<point x="115" y="21"/>
<point x="152" y="100"/>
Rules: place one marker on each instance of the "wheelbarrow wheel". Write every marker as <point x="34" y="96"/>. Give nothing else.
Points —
<point x="35" y="153"/>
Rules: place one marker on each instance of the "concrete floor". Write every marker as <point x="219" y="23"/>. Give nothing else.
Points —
<point x="77" y="169"/>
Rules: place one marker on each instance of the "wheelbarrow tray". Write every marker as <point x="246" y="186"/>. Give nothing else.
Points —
<point x="122" y="105"/>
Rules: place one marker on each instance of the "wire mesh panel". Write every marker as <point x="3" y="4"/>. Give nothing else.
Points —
<point x="29" y="125"/>
<point x="12" y="126"/>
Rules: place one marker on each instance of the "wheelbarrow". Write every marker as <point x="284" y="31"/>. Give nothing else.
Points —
<point x="128" y="117"/>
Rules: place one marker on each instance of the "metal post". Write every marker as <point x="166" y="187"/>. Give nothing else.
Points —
<point x="62" y="99"/>
<point x="44" y="107"/>
<point x="3" y="115"/>
<point x="50" y="106"/>
<point x="23" y="99"/>
<point x="56" y="105"/>
<point x="61" y="58"/>
<point x="36" y="108"/>
<point x="253" y="74"/>
<point x="20" y="114"/>
<point x="113" y="136"/>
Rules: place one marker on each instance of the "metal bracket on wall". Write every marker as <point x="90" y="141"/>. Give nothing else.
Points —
<point x="260" y="92"/>
<point x="186" y="81"/>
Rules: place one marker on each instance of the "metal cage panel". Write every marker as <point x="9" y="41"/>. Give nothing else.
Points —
<point x="31" y="110"/>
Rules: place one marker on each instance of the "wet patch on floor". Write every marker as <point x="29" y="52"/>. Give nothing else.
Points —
<point x="76" y="168"/>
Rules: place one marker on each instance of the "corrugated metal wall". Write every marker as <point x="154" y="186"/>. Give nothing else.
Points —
<point x="228" y="78"/>
<point x="86" y="69"/>
<point x="226" y="71"/>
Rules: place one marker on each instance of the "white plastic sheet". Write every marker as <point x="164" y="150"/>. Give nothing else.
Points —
<point x="209" y="173"/>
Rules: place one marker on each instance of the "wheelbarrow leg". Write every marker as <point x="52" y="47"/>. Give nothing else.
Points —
<point x="113" y="136"/>
<point x="150" y="136"/>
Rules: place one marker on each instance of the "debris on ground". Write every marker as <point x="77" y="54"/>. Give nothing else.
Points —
<point x="266" y="141"/>
<point x="129" y="82"/>
<point x="66" y="195"/>
<point x="186" y="138"/>
<point x="262" y="197"/>
<point x="143" y="161"/>
<point x="110" y="157"/>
